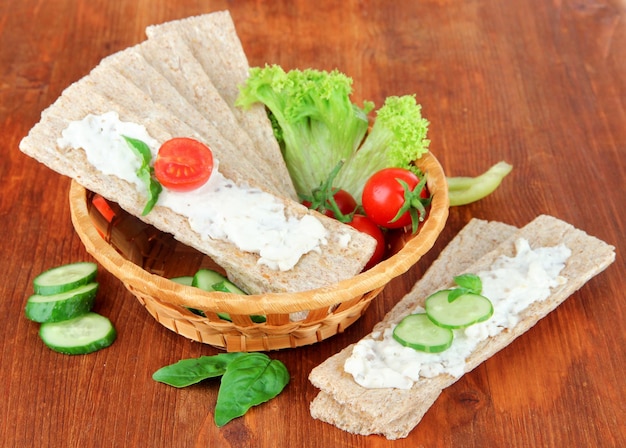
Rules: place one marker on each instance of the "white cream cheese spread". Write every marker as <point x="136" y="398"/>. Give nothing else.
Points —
<point x="101" y="137"/>
<point x="512" y="284"/>
<point x="251" y="219"/>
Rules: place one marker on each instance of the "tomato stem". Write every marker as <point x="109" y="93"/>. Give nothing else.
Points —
<point x="413" y="203"/>
<point x="323" y="197"/>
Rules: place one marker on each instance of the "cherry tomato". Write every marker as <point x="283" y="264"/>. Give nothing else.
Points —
<point x="344" y="200"/>
<point x="389" y="203"/>
<point x="183" y="164"/>
<point x="363" y="224"/>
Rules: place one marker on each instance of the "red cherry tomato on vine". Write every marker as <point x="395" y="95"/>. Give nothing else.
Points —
<point x="389" y="203"/>
<point x="344" y="200"/>
<point x="183" y="164"/>
<point x="364" y="224"/>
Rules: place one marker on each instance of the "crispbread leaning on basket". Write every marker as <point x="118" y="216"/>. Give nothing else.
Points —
<point x="182" y="82"/>
<point x="106" y="89"/>
<point x="394" y="412"/>
<point x="140" y="255"/>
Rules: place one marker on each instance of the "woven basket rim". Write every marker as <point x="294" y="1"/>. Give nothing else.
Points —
<point x="171" y="292"/>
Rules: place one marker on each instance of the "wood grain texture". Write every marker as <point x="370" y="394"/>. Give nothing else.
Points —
<point x="538" y="84"/>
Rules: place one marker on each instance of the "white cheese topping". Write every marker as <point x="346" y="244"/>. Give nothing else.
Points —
<point x="512" y="284"/>
<point x="100" y="136"/>
<point x="252" y="220"/>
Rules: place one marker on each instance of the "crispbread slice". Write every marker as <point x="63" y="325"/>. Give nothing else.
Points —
<point x="394" y="412"/>
<point x="128" y="72"/>
<point x="475" y="240"/>
<point x="140" y="107"/>
<point x="104" y="90"/>
<point x="213" y="41"/>
<point x="197" y="97"/>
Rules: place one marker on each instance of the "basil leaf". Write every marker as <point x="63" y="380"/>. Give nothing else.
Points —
<point x="455" y="294"/>
<point x="192" y="371"/>
<point x="145" y="172"/>
<point x="470" y="282"/>
<point x="248" y="381"/>
<point x="141" y="149"/>
<point x="154" y="189"/>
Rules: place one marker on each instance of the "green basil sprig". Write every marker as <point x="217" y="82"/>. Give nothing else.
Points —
<point x="248" y="379"/>
<point x="467" y="283"/>
<point x="145" y="172"/>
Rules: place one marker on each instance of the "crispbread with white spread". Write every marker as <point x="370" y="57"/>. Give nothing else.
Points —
<point x="338" y="255"/>
<point x="395" y="412"/>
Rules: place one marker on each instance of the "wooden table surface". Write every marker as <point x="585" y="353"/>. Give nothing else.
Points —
<point x="540" y="84"/>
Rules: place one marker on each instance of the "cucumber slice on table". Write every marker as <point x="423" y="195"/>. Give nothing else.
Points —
<point x="65" y="278"/>
<point x="84" y="334"/>
<point x="420" y="333"/>
<point x="61" y="306"/>
<point x="465" y="310"/>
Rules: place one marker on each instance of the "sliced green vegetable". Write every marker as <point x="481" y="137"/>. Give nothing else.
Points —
<point x="65" y="278"/>
<point x="420" y="333"/>
<point x="464" y="190"/>
<point x="248" y="381"/>
<point x="465" y="310"/>
<point x="186" y="280"/>
<point x="61" y="306"/>
<point x="84" y="334"/>
<point x="145" y="172"/>
<point x="191" y="371"/>
<point x="209" y="280"/>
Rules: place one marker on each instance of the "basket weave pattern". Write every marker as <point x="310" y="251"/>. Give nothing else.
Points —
<point x="143" y="258"/>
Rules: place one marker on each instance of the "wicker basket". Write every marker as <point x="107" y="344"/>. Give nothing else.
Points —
<point x="144" y="258"/>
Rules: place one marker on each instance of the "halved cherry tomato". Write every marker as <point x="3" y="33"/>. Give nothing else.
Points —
<point x="363" y="224"/>
<point x="183" y="164"/>
<point x="390" y="198"/>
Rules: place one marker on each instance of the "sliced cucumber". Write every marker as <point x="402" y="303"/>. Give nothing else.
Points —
<point x="465" y="310"/>
<point x="186" y="280"/>
<point x="420" y="333"/>
<point x="84" y="334"/>
<point x="65" y="278"/>
<point x="61" y="306"/>
<point x="209" y="280"/>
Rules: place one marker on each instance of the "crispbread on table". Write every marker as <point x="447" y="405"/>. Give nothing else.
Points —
<point x="394" y="412"/>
